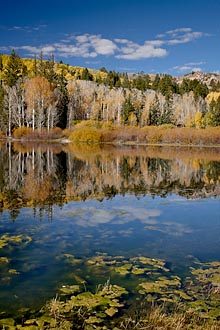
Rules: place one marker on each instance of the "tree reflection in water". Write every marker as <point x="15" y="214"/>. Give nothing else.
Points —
<point x="41" y="175"/>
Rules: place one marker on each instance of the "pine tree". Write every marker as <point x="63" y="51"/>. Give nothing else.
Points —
<point x="113" y="79"/>
<point x="154" y="112"/>
<point x="126" y="82"/>
<point x="86" y="75"/>
<point x="63" y="100"/>
<point x="127" y="109"/>
<point x="156" y="82"/>
<point x="49" y="70"/>
<point x="14" y="70"/>
<point x="215" y="112"/>
<point x="167" y="116"/>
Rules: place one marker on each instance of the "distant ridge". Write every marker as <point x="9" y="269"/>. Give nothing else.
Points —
<point x="203" y="77"/>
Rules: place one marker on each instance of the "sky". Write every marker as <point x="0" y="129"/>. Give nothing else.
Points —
<point x="151" y="36"/>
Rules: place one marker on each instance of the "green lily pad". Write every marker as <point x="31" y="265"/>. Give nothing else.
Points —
<point x="123" y="270"/>
<point x="160" y="285"/>
<point x="111" y="311"/>
<point x="138" y="271"/>
<point x="7" y="322"/>
<point x="93" y="319"/>
<point x="69" y="289"/>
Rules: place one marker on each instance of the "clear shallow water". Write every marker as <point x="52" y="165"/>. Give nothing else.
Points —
<point x="131" y="219"/>
<point x="173" y="228"/>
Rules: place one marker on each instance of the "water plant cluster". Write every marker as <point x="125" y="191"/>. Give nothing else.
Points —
<point x="138" y="293"/>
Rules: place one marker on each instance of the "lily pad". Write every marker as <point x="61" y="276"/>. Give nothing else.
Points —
<point x="93" y="319"/>
<point x="111" y="311"/>
<point x="160" y="285"/>
<point x="69" y="289"/>
<point x="123" y="270"/>
<point x="7" y="322"/>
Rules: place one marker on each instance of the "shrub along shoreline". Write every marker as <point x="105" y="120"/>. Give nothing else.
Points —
<point x="91" y="132"/>
<point x="87" y="131"/>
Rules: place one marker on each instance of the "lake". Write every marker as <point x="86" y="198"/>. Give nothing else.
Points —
<point x="79" y="214"/>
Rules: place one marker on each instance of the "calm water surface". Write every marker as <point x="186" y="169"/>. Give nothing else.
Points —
<point x="158" y="203"/>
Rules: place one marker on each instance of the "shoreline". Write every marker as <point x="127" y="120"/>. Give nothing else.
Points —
<point x="115" y="143"/>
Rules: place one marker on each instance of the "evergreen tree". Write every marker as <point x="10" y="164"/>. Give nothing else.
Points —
<point x="201" y="90"/>
<point x="139" y="83"/>
<point x="41" y="66"/>
<point x="127" y="109"/>
<point x="103" y="69"/>
<point x="63" y="100"/>
<point x="215" y="86"/>
<point x="113" y="79"/>
<point x="167" y="116"/>
<point x="142" y="82"/>
<point x="154" y="112"/>
<point x="86" y="75"/>
<point x="167" y="85"/>
<point x="34" y="69"/>
<point x="126" y="82"/>
<point x="14" y="70"/>
<point x="45" y="68"/>
<point x="198" y="88"/>
<point x="214" y="112"/>
<point x="50" y="73"/>
<point x="156" y="82"/>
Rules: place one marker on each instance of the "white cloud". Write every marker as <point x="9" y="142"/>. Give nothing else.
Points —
<point x="25" y="28"/>
<point x="181" y="36"/>
<point x="92" y="45"/>
<point x="133" y="51"/>
<point x="189" y="67"/>
<point x="185" y="38"/>
<point x="30" y="49"/>
<point x="175" y="32"/>
<point x="101" y="45"/>
<point x="122" y="41"/>
<point x="195" y="63"/>
<point x="91" y="217"/>
<point x="136" y="52"/>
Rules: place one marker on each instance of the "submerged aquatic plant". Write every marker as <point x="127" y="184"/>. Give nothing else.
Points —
<point x="160" y="300"/>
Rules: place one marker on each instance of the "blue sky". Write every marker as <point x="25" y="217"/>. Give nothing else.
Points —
<point x="154" y="36"/>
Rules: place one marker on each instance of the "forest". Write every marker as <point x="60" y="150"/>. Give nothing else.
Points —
<point x="41" y="95"/>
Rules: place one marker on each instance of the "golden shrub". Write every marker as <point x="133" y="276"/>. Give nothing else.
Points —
<point x="87" y="134"/>
<point x="21" y="132"/>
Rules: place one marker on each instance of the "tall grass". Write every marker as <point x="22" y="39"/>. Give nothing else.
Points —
<point x="153" y="317"/>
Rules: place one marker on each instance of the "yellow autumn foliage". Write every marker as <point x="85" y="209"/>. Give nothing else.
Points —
<point x="88" y="135"/>
<point x="199" y="122"/>
<point x="212" y="95"/>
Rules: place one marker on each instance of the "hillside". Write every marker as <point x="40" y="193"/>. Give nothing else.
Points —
<point x="204" y="77"/>
<point x="74" y="72"/>
<point x="41" y="93"/>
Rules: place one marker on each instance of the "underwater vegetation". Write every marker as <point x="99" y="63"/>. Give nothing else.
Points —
<point x="139" y="293"/>
<point x="10" y="242"/>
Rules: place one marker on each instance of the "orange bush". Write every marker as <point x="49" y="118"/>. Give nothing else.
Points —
<point x="21" y="132"/>
<point x="43" y="134"/>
